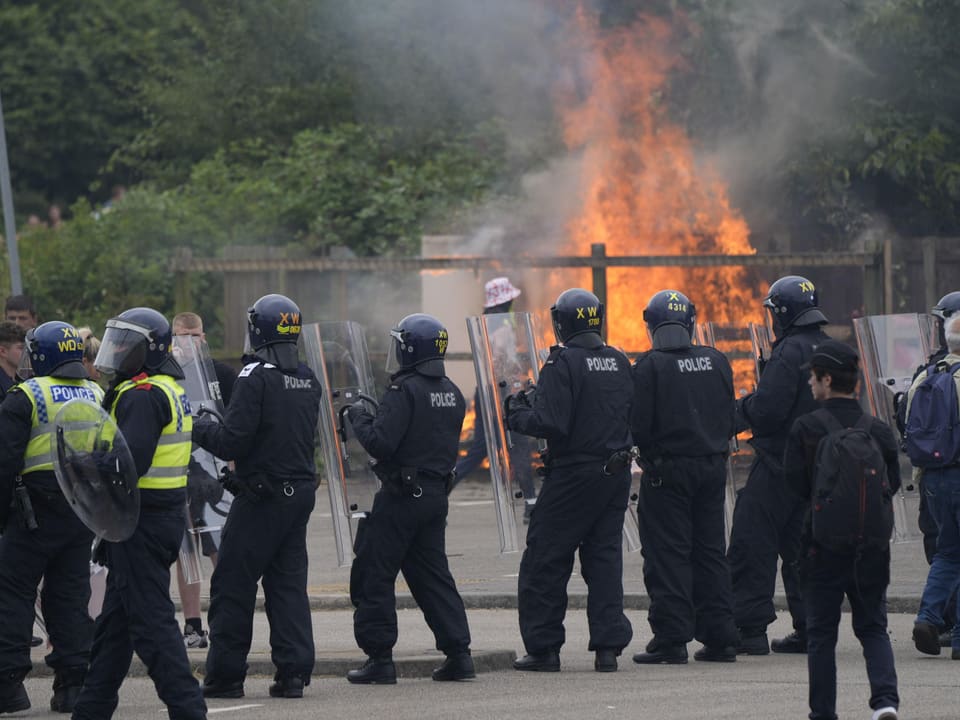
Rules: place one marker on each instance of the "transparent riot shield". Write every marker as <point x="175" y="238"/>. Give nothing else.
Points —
<point x="892" y="347"/>
<point x="733" y="341"/>
<point x="506" y="360"/>
<point x="95" y="470"/>
<point x="207" y="501"/>
<point x="762" y="340"/>
<point x="337" y="354"/>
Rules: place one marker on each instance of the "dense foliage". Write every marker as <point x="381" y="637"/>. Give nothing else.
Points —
<point x="320" y="123"/>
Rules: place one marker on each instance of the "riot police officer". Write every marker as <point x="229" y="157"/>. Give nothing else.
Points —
<point x="269" y="431"/>
<point x="414" y="437"/>
<point x="683" y="413"/>
<point x="151" y="410"/>
<point x="581" y="406"/>
<point x="767" y="519"/>
<point x="45" y="539"/>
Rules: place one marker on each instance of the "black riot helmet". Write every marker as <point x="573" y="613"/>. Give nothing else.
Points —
<point x="576" y="311"/>
<point x="419" y="343"/>
<point x="55" y="349"/>
<point x="793" y="301"/>
<point x="273" y="319"/>
<point x="945" y="308"/>
<point x="670" y="317"/>
<point x="136" y="340"/>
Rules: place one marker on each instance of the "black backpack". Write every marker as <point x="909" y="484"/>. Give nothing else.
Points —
<point x="852" y="504"/>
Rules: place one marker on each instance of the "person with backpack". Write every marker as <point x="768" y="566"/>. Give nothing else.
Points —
<point x="845" y="465"/>
<point x="932" y="440"/>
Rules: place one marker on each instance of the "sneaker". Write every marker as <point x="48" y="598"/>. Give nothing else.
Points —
<point x="887" y="713"/>
<point x="194" y="640"/>
<point x="926" y="638"/>
<point x="793" y="643"/>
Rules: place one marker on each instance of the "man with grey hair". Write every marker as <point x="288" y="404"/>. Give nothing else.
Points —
<point x="941" y="484"/>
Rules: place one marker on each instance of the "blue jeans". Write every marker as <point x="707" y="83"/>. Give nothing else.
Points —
<point x="942" y="489"/>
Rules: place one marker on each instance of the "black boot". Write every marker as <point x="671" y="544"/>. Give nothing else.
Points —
<point x="378" y="670"/>
<point x="217" y="689"/>
<point x="13" y="696"/>
<point x="287" y="687"/>
<point x="539" y="662"/>
<point x="795" y="643"/>
<point x="605" y="660"/>
<point x="66" y="688"/>
<point x="662" y="653"/>
<point x="456" y="667"/>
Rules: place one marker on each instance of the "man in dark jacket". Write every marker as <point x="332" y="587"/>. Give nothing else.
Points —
<point x="862" y="575"/>
<point x="581" y="406"/>
<point x="766" y="520"/>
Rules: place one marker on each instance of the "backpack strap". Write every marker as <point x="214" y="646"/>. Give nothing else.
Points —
<point x="865" y="423"/>
<point x="827" y="420"/>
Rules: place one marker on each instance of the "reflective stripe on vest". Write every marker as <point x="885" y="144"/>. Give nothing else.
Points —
<point x="47" y="395"/>
<point x="168" y="470"/>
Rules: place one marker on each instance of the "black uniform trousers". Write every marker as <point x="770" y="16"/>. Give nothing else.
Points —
<point x="58" y="551"/>
<point x="828" y="577"/>
<point x="685" y="567"/>
<point x="405" y="534"/>
<point x="263" y="538"/>
<point x="767" y="521"/>
<point x="138" y="616"/>
<point x="579" y="508"/>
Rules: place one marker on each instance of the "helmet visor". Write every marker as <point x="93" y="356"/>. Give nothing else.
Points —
<point x="396" y="352"/>
<point x="123" y="349"/>
<point x="25" y="367"/>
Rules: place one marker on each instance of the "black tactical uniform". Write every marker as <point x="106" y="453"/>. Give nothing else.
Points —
<point x="414" y="438"/>
<point x="683" y="419"/>
<point x="270" y="432"/>
<point x="581" y="406"/>
<point x="138" y="615"/>
<point x="57" y="549"/>
<point x="767" y="519"/>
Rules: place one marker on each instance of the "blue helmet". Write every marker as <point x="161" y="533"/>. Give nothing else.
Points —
<point x="670" y="307"/>
<point x="945" y="308"/>
<point x="420" y="343"/>
<point x="53" y="348"/>
<point x="273" y="319"/>
<point x="576" y="311"/>
<point x="793" y="301"/>
<point x="137" y="339"/>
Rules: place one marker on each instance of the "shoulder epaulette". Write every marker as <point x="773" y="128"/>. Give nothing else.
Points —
<point x="247" y="369"/>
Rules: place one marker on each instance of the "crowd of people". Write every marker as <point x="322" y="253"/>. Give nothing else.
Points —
<point x="672" y="410"/>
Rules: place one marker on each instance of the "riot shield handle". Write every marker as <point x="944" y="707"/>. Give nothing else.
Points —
<point x="207" y="410"/>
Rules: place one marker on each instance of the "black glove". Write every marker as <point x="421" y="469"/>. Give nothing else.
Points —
<point x="357" y="410"/>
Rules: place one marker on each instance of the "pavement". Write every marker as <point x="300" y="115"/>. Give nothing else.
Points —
<point x="487" y="581"/>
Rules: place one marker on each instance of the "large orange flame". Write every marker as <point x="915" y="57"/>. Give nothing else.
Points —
<point x="643" y="190"/>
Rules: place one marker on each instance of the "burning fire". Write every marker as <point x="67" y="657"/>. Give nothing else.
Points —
<point x="643" y="191"/>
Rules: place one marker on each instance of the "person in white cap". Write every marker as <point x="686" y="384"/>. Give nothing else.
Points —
<point x="499" y="294"/>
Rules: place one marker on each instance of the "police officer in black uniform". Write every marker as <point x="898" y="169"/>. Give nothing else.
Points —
<point x="683" y="419"/>
<point x="45" y="538"/>
<point x="414" y="437"/>
<point x="270" y="432"/>
<point x="767" y="520"/>
<point x="581" y="406"/>
<point x="151" y="410"/>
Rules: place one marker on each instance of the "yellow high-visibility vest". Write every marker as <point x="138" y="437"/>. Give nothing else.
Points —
<point x="168" y="470"/>
<point x="47" y="395"/>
